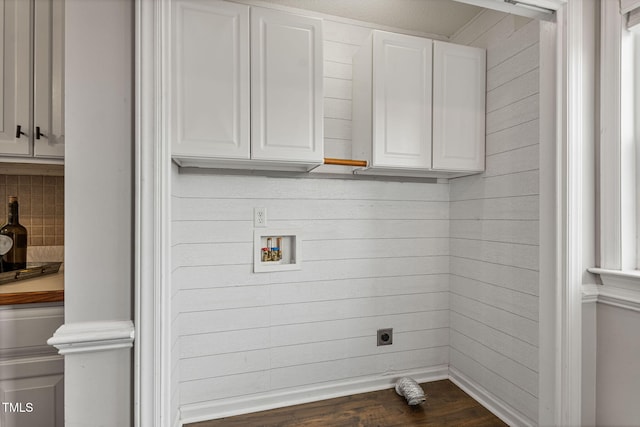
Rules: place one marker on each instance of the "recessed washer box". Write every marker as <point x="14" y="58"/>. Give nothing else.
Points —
<point x="276" y="249"/>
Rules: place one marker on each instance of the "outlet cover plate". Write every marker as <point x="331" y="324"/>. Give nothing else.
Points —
<point x="385" y="336"/>
<point x="259" y="217"/>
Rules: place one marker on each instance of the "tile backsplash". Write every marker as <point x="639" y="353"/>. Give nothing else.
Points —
<point x="41" y="202"/>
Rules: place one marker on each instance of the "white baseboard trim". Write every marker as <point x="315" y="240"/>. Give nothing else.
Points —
<point x="488" y="400"/>
<point x="177" y="422"/>
<point x="86" y="337"/>
<point x="229" y="407"/>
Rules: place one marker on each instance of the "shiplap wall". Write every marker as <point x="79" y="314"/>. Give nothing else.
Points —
<point x="494" y="225"/>
<point x="376" y="255"/>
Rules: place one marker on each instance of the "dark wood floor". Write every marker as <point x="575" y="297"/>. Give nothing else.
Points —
<point x="446" y="405"/>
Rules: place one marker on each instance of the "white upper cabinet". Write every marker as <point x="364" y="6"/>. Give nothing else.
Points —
<point x="246" y="87"/>
<point x="286" y="86"/>
<point x="210" y="80"/>
<point x="392" y="101"/>
<point x="48" y="77"/>
<point x="17" y="90"/>
<point x="32" y="79"/>
<point x="458" y="107"/>
<point x="418" y="106"/>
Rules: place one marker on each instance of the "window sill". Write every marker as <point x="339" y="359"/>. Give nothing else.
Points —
<point x="619" y="288"/>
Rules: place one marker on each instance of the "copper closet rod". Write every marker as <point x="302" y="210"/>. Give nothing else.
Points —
<point x="345" y="162"/>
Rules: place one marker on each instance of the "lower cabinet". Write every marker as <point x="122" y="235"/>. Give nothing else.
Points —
<point x="31" y="372"/>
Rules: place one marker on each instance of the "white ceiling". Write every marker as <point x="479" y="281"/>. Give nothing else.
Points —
<point x="442" y="17"/>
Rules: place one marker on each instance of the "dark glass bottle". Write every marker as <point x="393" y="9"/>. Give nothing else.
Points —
<point x="16" y="258"/>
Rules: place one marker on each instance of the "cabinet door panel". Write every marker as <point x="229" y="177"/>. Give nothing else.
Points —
<point x="401" y="101"/>
<point x="48" y="79"/>
<point x="210" y="80"/>
<point x="458" y="107"/>
<point x="286" y="86"/>
<point x="33" y="402"/>
<point x="15" y="77"/>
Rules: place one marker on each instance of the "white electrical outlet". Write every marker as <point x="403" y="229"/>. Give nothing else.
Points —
<point x="259" y="217"/>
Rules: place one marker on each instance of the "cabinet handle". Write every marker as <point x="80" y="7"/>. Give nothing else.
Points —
<point x="39" y="134"/>
<point x="19" y="132"/>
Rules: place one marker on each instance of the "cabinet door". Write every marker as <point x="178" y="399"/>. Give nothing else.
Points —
<point x="48" y="79"/>
<point x="15" y="77"/>
<point x="286" y="87"/>
<point x="31" y="373"/>
<point x="209" y="96"/>
<point x="36" y="401"/>
<point x="459" y="88"/>
<point x="401" y="101"/>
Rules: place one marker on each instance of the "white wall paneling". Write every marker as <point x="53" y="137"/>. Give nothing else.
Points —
<point x="494" y="230"/>
<point x="375" y="255"/>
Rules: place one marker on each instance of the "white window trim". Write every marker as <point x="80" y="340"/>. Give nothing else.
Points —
<point x="620" y="288"/>
<point x="618" y="225"/>
<point x="617" y="154"/>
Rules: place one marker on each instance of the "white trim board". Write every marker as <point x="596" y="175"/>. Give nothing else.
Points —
<point x="619" y="289"/>
<point x="152" y="353"/>
<point x="87" y="337"/>
<point x="628" y="5"/>
<point x="486" y="399"/>
<point x="549" y="224"/>
<point x="543" y="10"/>
<point x="575" y="87"/>
<point x="617" y="153"/>
<point x="230" y="407"/>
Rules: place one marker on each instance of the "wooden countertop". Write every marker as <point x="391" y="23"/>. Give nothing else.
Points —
<point x="48" y="288"/>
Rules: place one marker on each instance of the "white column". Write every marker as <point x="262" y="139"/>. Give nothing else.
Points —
<point x="98" y="333"/>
